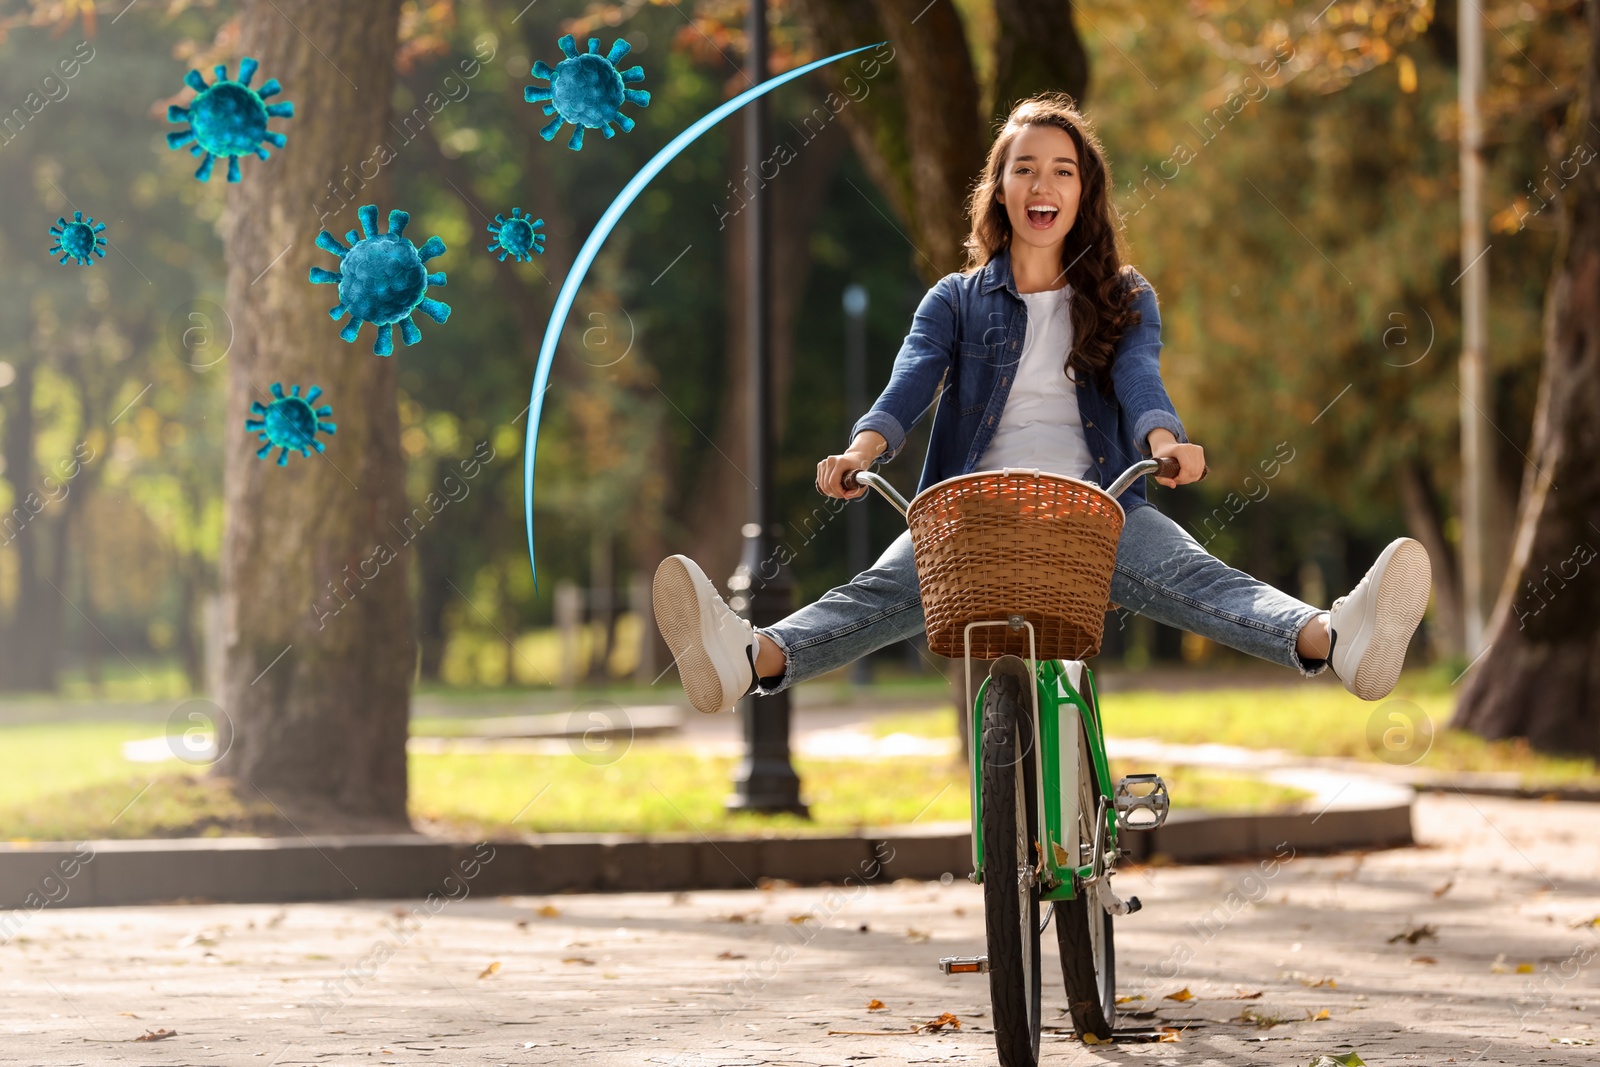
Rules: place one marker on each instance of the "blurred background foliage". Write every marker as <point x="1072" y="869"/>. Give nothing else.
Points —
<point x="1303" y="242"/>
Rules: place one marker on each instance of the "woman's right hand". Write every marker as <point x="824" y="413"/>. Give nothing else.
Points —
<point x="867" y="446"/>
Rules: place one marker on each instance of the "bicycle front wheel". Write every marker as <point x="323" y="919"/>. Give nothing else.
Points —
<point x="1083" y="925"/>
<point x="1010" y="887"/>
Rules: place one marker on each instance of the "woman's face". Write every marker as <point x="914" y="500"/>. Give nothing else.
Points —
<point x="1040" y="187"/>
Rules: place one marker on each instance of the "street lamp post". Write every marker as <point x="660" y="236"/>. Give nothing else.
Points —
<point x="762" y="590"/>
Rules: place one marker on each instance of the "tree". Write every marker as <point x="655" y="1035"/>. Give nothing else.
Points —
<point x="318" y="653"/>
<point x="1539" y="677"/>
<point x="923" y="155"/>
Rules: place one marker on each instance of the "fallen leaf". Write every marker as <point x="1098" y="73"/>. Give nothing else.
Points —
<point x="1524" y="968"/>
<point x="129" y="1014"/>
<point x="1180" y="996"/>
<point x="1319" y="1016"/>
<point x="1499" y="965"/>
<point x="1167" y="1033"/>
<point x="1348" y="1060"/>
<point x="1572" y="1040"/>
<point x="876" y="1005"/>
<point x="1423" y="959"/>
<point x="1412" y="934"/>
<point x="492" y="969"/>
<point x="1239" y="993"/>
<point x="1090" y="1039"/>
<point x="549" y="911"/>
<point x="798" y="919"/>
<point x="1130" y="1000"/>
<point x="522" y="924"/>
<point x="934" y="1026"/>
<point x="916" y="935"/>
<point x="1442" y="890"/>
<point x="579" y="959"/>
<point x="1319" y="983"/>
<point x="156" y="1035"/>
<point x="1585" y="922"/>
<point x="729" y="954"/>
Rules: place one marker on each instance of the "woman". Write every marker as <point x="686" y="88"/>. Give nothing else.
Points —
<point x="1050" y="346"/>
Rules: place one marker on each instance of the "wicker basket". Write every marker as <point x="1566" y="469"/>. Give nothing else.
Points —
<point x="1001" y="543"/>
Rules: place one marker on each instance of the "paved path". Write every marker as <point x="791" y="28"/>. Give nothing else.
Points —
<point x="726" y="978"/>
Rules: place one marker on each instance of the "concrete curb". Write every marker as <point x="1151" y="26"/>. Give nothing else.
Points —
<point x="1199" y="838"/>
<point x="286" y="870"/>
<point x="1577" y="794"/>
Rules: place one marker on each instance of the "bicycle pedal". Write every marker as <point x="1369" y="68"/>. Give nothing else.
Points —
<point x="964" y="965"/>
<point x="1118" y="906"/>
<point x="1128" y="803"/>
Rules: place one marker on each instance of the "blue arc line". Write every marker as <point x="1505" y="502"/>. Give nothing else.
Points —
<point x="591" y="248"/>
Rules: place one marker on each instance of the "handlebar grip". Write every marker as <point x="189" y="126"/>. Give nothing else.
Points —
<point x="849" y="480"/>
<point x="1169" y="468"/>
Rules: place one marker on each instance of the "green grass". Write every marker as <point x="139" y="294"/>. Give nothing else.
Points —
<point x="55" y="759"/>
<point x="660" y="789"/>
<point x="70" y="782"/>
<point x="1309" y="720"/>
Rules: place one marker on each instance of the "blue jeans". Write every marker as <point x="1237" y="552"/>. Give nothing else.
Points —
<point x="1162" y="573"/>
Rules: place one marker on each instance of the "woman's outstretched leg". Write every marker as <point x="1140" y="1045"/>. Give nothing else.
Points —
<point x="718" y="653"/>
<point x="1165" y="574"/>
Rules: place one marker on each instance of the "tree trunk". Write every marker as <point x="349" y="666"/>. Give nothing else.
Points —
<point x="1540" y="675"/>
<point x="318" y="655"/>
<point x="921" y="156"/>
<point x="29" y="657"/>
<point x="1036" y="50"/>
<point x="1425" y="521"/>
<point x="191" y="594"/>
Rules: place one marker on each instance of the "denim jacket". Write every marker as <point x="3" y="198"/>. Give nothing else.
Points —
<point x="968" y="333"/>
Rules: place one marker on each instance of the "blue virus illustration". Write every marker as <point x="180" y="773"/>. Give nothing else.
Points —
<point x="586" y="89"/>
<point x="77" y="240"/>
<point x="383" y="279"/>
<point x="517" y="237"/>
<point x="228" y="119"/>
<point x="290" y="423"/>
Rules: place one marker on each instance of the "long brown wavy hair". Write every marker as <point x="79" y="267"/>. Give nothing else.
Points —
<point x="1102" y="288"/>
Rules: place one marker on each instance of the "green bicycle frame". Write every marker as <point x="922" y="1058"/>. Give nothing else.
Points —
<point x="1061" y="708"/>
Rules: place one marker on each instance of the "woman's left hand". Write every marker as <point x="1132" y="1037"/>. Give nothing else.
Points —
<point x="1191" y="457"/>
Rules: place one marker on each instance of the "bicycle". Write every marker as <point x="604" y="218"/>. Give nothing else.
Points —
<point x="1045" y="817"/>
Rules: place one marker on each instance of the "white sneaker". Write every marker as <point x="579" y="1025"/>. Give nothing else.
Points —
<point x="1370" y="627"/>
<point x="707" y="639"/>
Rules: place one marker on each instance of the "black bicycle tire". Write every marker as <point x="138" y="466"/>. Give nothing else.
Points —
<point x="1005" y="718"/>
<point x="1091" y="1013"/>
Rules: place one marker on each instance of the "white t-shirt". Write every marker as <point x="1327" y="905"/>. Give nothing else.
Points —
<point x="1041" y="427"/>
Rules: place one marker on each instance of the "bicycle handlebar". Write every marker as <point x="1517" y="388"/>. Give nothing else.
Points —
<point x="1164" y="467"/>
